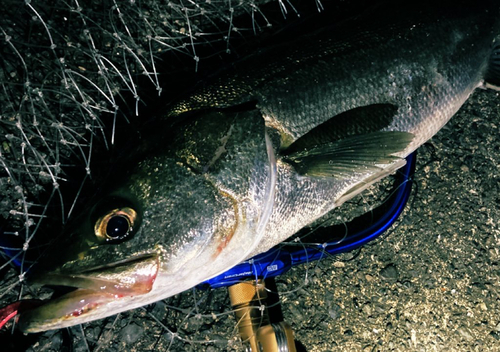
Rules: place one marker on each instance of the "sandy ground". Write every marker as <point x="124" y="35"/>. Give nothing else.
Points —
<point x="429" y="284"/>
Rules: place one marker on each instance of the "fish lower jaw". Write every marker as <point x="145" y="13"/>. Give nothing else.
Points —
<point x="91" y="301"/>
<point x="83" y="305"/>
<point x="94" y="293"/>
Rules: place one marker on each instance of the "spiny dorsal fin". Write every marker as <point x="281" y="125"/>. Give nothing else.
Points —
<point x="353" y="155"/>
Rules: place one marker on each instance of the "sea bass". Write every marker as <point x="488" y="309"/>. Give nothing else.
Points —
<point x="264" y="149"/>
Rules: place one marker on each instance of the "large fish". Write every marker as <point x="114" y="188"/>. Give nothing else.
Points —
<point x="263" y="150"/>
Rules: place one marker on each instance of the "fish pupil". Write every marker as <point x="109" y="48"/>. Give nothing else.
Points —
<point x="117" y="227"/>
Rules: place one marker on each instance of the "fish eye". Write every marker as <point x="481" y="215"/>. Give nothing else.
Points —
<point x="115" y="225"/>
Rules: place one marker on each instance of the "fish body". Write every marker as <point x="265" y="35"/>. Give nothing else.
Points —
<point x="259" y="152"/>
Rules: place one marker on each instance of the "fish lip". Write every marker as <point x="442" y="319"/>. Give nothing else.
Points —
<point x="94" y="288"/>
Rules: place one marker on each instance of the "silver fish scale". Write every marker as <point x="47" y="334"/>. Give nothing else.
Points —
<point x="428" y="73"/>
<point x="413" y="74"/>
<point x="426" y="66"/>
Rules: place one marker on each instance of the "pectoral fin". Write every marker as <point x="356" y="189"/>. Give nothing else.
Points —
<point x="361" y="120"/>
<point x="342" y="159"/>
<point x="360" y="187"/>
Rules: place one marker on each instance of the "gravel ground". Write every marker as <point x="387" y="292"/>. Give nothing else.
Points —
<point x="429" y="284"/>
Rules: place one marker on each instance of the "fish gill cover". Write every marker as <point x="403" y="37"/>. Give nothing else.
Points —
<point x="75" y="79"/>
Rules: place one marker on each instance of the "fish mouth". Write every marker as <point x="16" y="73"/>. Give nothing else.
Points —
<point x="92" y="293"/>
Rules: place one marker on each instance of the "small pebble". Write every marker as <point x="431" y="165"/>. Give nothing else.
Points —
<point x="390" y="272"/>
